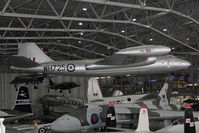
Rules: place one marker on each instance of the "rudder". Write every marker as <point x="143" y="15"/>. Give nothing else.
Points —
<point x="143" y="121"/>
<point x="23" y="102"/>
<point x="189" y="124"/>
<point x="163" y="94"/>
<point x="94" y="91"/>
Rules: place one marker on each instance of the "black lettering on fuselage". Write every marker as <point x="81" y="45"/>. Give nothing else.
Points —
<point x="52" y="68"/>
<point x="45" y="68"/>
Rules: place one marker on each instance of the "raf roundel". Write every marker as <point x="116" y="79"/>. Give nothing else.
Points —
<point x="71" y="67"/>
<point x="94" y="118"/>
<point x="42" y="130"/>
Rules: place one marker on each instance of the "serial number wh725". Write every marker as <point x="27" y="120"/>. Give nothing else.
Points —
<point x="53" y="68"/>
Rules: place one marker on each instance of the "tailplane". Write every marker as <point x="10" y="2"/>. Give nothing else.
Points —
<point x="94" y="91"/>
<point x="189" y="125"/>
<point x="33" y="52"/>
<point x="143" y="121"/>
<point x="23" y="103"/>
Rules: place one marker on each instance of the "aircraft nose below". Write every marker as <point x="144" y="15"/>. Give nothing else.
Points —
<point x="66" y="123"/>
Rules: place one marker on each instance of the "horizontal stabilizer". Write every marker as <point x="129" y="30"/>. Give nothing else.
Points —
<point x="17" y="61"/>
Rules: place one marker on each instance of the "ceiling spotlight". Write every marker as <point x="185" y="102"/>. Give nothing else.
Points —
<point x="84" y="9"/>
<point x="108" y="47"/>
<point x="79" y="41"/>
<point x="144" y="4"/>
<point x="123" y="31"/>
<point x="164" y="29"/>
<point x="172" y="48"/>
<point x="81" y="33"/>
<point x="5" y="46"/>
<point x="80" y="23"/>
<point x="134" y="19"/>
<point x="151" y="39"/>
<point x="187" y="39"/>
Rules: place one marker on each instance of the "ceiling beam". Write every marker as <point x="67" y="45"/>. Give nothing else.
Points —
<point x="68" y="54"/>
<point x="70" y="30"/>
<point x="111" y="3"/>
<point x="95" y="20"/>
<point x="59" y="37"/>
<point x="79" y="48"/>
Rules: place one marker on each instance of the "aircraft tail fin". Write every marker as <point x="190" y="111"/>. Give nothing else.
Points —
<point x="163" y="94"/>
<point x="2" y="127"/>
<point x="23" y="103"/>
<point x="110" y="116"/>
<point x="33" y="52"/>
<point x="189" y="125"/>
<point x="143" y="121"/>
<point x="94" y="91"/>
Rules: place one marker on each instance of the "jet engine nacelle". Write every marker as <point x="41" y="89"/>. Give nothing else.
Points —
<point x="148" y="50"/>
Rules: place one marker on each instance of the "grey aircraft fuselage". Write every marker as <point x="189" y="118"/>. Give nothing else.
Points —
<point x="163" y="64"/>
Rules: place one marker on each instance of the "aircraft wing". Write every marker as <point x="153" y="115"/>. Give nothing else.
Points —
<point x="17" y="61"/>
<point x="117" y="59"/>
<point x="13" y="118"/>
<point x="135" y="55"/>
<point x="11" y="115"/>
<point x="131" y="57"/>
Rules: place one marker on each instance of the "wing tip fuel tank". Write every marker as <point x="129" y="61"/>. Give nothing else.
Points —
<point x="147" y="50"/>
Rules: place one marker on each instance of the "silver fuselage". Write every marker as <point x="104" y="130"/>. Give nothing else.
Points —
<point x="162" y="64"/>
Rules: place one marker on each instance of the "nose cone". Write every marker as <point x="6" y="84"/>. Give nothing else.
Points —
<point x="187" y="64"/>
<point x="183" y="64"/>
<point x="66" y="123"/>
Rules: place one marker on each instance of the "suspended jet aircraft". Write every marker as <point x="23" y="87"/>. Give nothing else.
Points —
<point x="149" y="59"/>
<point x="62" y="86"/>
<point x="21" y="109"/>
